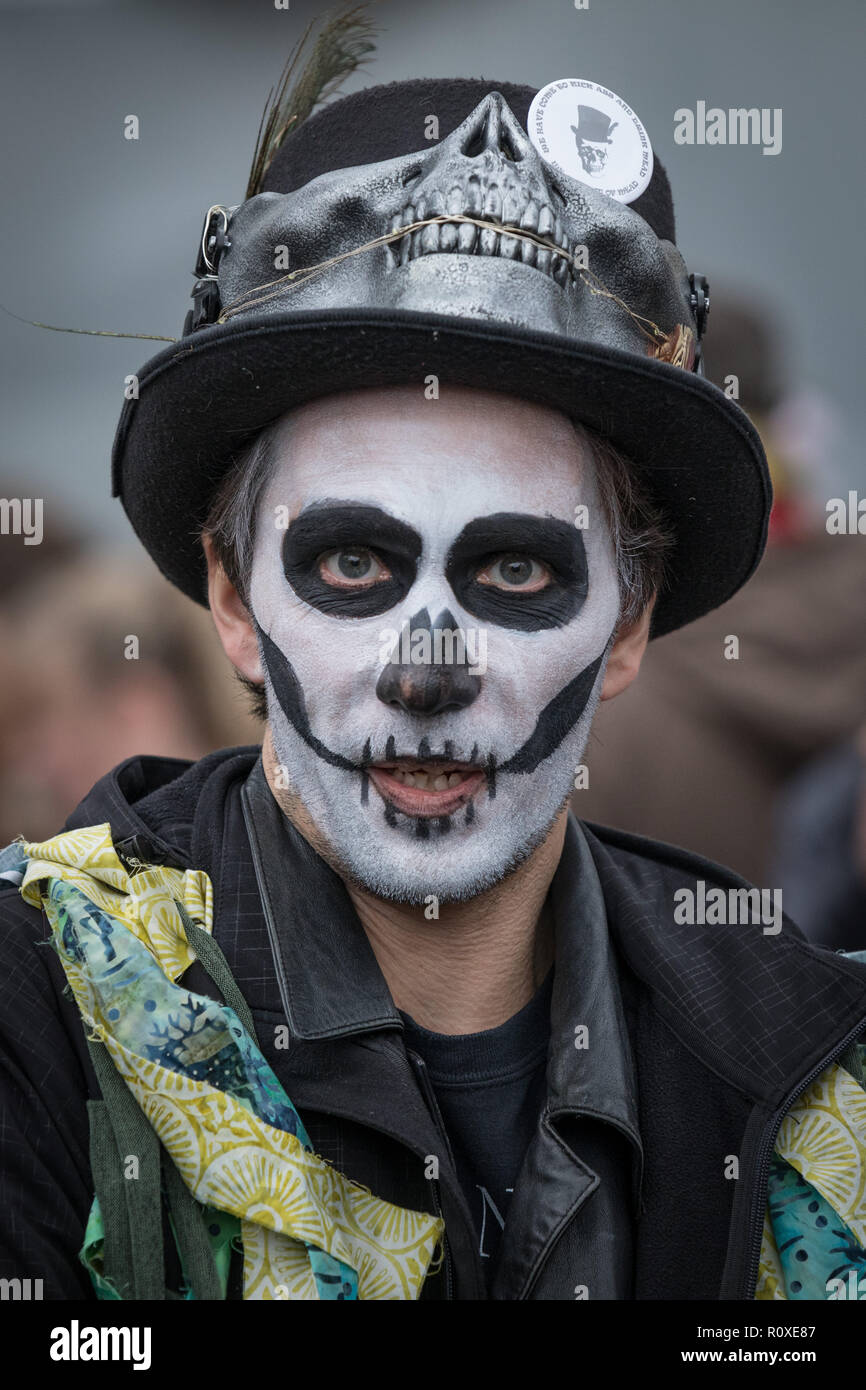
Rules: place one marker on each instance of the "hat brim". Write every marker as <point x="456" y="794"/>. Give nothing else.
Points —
<point x="202" y="399"/>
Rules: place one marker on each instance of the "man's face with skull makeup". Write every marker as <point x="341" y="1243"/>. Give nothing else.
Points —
<point x="451" y="523"/>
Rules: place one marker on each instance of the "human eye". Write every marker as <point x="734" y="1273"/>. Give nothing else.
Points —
<point x="515" y="573"/>
<point x="352" y="567"/>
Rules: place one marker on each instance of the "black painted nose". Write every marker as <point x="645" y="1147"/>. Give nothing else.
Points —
<point x="434" y="678"/>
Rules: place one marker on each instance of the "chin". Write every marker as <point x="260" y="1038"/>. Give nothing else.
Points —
<point x="352" y="822"/>
<point x="394" y="863"/>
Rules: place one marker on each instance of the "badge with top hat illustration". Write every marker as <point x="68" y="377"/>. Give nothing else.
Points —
<point x="591" y="134"/>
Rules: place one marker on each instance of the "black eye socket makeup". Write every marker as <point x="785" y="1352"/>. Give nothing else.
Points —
<point x="507" y="538"/>
<point x="349" y="539"/>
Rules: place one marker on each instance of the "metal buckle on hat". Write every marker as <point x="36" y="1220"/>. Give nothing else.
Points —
<point x="700" y="302"/>
<point x="214" y="240"/>
<point x="205" y="292"/>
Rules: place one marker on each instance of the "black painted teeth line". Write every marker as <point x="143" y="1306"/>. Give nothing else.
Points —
<point x="491" y="777"/>
<point x="422" y="829"/>
<point x="390" y="813"/>
<point x="365" y="788"/>
<point x="470" y="813"/>
<point x="424" y="754"/>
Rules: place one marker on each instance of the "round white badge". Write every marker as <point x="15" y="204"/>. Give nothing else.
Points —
<point x="591" y="134"/>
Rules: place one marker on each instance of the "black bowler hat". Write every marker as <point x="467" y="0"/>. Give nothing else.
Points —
<point x="312" y="286"/>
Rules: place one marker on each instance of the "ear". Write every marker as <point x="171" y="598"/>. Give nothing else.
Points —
<point x="231" y="619"/>
<point x="626" y="655"/>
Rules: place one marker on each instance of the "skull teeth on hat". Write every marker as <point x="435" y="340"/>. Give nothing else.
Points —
<point x="488" y="201"/>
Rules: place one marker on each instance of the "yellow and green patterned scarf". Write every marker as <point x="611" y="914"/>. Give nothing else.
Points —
<point x="204" y="1086"/>
<point x="814" y="1244"/>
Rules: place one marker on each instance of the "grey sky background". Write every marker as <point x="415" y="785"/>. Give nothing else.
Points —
<point x="100" y="232"/>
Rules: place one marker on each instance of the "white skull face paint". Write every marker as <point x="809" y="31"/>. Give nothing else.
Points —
<point x="450" y="526"/>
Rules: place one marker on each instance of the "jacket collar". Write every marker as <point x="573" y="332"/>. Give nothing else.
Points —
<point x="591" y="1072"/>
<point x="330" y="982"/>
<point x="763" y="1011"/>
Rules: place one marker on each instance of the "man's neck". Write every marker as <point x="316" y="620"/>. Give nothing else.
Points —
<point x="476" y="965"/>
<point x="481" y="961"/>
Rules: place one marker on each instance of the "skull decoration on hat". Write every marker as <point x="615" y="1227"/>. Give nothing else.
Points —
<point x="477" y="226"/>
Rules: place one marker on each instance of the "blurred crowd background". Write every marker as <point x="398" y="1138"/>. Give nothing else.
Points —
<point x="758" y="763"/>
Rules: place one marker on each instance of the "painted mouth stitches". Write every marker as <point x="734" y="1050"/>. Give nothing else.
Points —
<point x="512" y="207"/>
<point x="426" y="788"/>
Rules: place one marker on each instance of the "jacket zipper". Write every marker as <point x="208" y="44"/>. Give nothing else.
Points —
<point x="759" y="1198"/>
<point x="420" y="1068"/>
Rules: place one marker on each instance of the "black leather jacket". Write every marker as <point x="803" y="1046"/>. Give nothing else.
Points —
<point x="700" y="1038"/>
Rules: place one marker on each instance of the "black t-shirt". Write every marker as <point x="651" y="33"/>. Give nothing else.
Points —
<point x="491" y="1089"/>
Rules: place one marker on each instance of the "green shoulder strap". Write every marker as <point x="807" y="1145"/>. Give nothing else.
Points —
<point x="131" y="1198"/>
<point x="125" y="1163"/>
